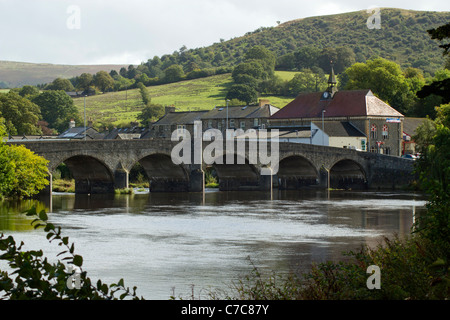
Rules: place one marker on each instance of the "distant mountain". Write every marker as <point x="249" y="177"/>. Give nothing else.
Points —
<point x="16" y="74"/>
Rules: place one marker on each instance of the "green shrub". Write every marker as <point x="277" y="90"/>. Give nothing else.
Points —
<point x="33" y="277"/>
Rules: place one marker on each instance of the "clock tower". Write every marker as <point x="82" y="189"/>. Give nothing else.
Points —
<point x="332" y="86"/>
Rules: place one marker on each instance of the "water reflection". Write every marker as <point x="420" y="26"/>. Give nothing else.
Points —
<point x="160" y="241"/>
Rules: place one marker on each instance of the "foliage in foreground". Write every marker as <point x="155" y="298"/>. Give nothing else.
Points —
<point x="22" y="172"/>
<point x="411" y="269"/>
<point x="33" y="277"/>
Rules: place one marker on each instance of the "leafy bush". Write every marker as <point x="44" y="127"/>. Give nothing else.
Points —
<point x="33" y="277"/>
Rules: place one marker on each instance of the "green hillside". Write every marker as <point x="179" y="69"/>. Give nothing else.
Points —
<point x="403" y="38"/>
<point x="121" y="108"/>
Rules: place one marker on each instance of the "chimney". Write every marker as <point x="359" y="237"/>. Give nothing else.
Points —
<point x="170" y="109"/>
<point x="71" y="124"/>
<point x="90" y="123"/>
<point x="263" y="102"/>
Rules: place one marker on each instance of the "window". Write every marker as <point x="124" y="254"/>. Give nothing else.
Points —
<point x="387" y="150"/>
<point x="210" y="124"/>
<point x="243" y="125"/>
<point x="255" y="122"/>
<point x="385" y="132"/>
<point x="180" y="128"/>
<point x="363" y="145"/>
<point x="373" y="149"/>
<point x="373" y="131"/>
<point x="231" y="123"/>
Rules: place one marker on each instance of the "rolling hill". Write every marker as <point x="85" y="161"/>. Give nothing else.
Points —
<point x="403" y="37"/>
<point x="17" y="74"/>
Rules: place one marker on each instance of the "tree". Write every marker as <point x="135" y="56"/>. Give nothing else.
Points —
<point x="246" y="79"/>
<point x="150" y="113"/>
<point x="85" y="80"/>
<point x="441" y="33"/>
<point x="440" y="86"/>
<point x="20" y="114"/>
<point x="28" y="91"/>
<point x="242" y="92"/>
<point x="6" y="165"/>
<point x="122" y="83"/>
<point x="173" y="73"/>
<point x="306" y="81"/>
<point x="57" y="109"/>
<point x="340" y="57"/>
<point x="22" y="173"/>
<point x="144" y="93"/>
<point x="386" y="80"/>
<point x="264" y="56"/>
<point x="433" y="168"/>
<point x="307" y="57"/>
<point x="103" y="81"/>
<point x="251" y="68"/>
<point x="30" y="172"/>
<point x="60" y="84"/>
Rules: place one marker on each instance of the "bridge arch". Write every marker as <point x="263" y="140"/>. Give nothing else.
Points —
<point x="348" y="174"/>
<point x="295" y="171"/>
<point x="235" y="172"/>
<point x="163" y="174"/>
<point x="91" y="174"/>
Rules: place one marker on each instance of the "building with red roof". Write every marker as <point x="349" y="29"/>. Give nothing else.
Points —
<point x="379" y="122"/>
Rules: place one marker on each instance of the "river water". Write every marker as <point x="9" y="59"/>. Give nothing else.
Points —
<point x="171" y="244"/>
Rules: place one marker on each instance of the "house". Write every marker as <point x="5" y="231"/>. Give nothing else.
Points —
<point x="239" y="117"/>
<point x="379" y="123"/>
<point x="172" y="121"/>
<point x="343" y="134"/>
<point x="81" y="133"/>
<point x="125" y="133"/>
<point x="29" y="137"/>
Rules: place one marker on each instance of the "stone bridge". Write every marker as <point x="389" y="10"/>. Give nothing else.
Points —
<point x="101" y="166"/>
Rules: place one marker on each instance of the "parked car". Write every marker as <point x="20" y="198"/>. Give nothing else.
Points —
<point x="409" y="156"/>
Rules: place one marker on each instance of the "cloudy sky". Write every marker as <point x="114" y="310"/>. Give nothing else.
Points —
<point x="132" y="31"/>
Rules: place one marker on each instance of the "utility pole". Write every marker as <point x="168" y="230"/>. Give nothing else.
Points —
<point x="323" y="128"/>
<point x="85" y="133"/>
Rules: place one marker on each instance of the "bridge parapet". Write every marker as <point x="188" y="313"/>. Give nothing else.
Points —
<point x="104" y="165"/>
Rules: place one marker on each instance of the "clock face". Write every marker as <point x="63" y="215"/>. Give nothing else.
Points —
<point x="325" y="95"/>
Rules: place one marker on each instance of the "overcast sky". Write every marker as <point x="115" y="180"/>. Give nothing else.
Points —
<point x="132" y="31"/>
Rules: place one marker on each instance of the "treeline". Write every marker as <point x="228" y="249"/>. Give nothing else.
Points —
<point x="28" y="111"/>
<point x="150" y="73"/>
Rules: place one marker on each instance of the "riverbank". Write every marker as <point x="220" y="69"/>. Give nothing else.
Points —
<point x="68" y="186"/>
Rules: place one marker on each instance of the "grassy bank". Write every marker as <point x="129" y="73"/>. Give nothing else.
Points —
<point x="61" y="185"/>
<point x="121" y="108"/>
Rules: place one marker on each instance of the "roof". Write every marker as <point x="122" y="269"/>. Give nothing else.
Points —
<point x="79" y="132"/>
<point x="240" y="112"/>
<point x="297" y="134"/>
<point x="175" y="118"/>
<point x="410" y="125"/>
<point x="340" y="129"/>
<point x="349" y="103"/>
<point x="125" y="133"/>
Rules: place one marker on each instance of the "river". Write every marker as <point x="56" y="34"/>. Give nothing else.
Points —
<point x="171" y="244"/>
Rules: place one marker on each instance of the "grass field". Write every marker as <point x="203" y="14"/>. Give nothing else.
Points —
<point x="121" y="108"/>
